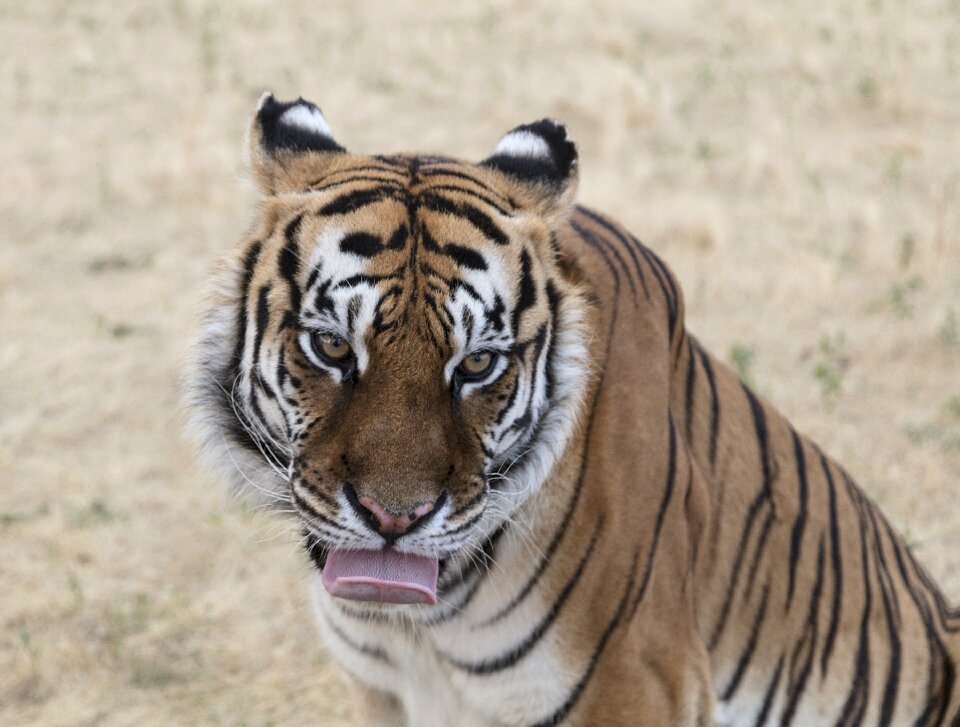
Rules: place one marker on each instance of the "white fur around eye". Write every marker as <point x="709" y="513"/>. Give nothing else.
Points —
<point x="308" y="118"/>
<point x="523" y="144"/>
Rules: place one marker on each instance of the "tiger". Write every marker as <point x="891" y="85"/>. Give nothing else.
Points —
<point x="528" y="495"/>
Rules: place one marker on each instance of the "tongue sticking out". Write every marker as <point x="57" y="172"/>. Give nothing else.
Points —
<point x="382" y="576"/>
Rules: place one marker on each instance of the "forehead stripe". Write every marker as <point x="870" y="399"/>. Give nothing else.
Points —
<point x="362" y="244"/>
<point x="471" y="193"/>
<point x="473" y="215"/>
<point x="352" y="201"/>
<point x="439" y="171"/>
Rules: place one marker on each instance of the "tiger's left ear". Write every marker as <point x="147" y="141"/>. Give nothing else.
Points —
<point x="540" y="161"/>
<point x="288" y="141"/>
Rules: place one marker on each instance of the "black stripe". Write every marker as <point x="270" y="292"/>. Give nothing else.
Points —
<point x="526" y="293"/>
<point x="571" y="701"/>
<point x="836" y="562"/>
<point x="486" y="199"/>
<point x="355" y="200"/>
<point x="938" y="694"/>
<point x="374" y="652"/>
<point x="354" y="173"/>
<point x="661" y="515"/>
<point x="768" y="697"/>
<point x="747" y="655"/>
<point x="263" y="317"/>
<point x="714" y="405"/>
<point x="658" y="265"/>
<point x="362" y="244"/>
<point x="796" y="537"/>
<point x="514" y="655"/>
<point x="892" y="613"/>
<point x="478" y="563"/>
<point x="762" y="498"/>
<point x="608" y="244"/>
<point x="288" y="262"/>
<point x="394" y="184"/>
<point x="249" y="263"/>
<point x="547" y="554"/>
<point x="432" y="170"/>
<point x="855" y="706"/>
<point x="806" y="646"/>
<point x="759" y="550"/>
<point x="691" y="381"/>
<point x="476" y="217"/>
<point x="464" y="256"/>
<point x="624" y="241"/>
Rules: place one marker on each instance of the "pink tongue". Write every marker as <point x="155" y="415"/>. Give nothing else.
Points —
<point x="384" y="576"/>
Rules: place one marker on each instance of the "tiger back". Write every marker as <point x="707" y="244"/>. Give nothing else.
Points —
<point x="530" y="496"/>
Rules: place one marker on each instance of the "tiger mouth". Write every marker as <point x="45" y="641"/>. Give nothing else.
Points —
<point x="375" y="576"/>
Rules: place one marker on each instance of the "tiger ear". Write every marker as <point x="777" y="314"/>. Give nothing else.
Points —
<point x="540" y="161"/>
<point x="287" y="141"/>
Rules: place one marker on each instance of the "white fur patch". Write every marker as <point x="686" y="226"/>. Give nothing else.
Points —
<point x="523" y="144"/>
<point x="306" y="117"/>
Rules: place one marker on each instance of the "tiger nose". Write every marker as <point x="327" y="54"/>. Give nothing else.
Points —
<point x="391" y="523"/>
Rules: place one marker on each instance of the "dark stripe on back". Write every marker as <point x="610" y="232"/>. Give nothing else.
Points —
<point x="624" y="241"/>
<point x="836" y="562"/>
<point x="855" y="706"/>
<point x="612" y="249"/>
<point x="690" y="390"/>
<point x="796" y="537"/>
<point x="714" y="404"/>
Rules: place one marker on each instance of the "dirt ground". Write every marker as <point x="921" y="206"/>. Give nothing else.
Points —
<point x="799" y="169"/>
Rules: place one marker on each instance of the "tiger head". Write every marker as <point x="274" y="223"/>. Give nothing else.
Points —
<point x="398" y="352"/>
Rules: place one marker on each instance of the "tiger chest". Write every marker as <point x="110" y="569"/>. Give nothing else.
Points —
<point x="443" y="674"/>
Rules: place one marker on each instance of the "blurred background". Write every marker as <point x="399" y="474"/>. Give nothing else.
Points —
<point x="798" y="165"/>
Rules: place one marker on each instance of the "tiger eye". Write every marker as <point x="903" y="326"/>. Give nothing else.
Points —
<point x="332" y="346"/>
<point x="476" y="363"/>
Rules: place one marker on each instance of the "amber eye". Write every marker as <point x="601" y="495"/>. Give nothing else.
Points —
<point x="476" y="364"/>
<point x="331" y="347"/>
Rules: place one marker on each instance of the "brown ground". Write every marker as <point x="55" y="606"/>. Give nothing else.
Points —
<point x="799" y="170"/>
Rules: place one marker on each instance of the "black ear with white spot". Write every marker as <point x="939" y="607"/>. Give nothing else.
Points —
<point x="283" y="136"/>
<point x="542" y="159"/>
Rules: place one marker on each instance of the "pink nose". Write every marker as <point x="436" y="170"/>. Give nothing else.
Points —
<point x="391" y="523"/>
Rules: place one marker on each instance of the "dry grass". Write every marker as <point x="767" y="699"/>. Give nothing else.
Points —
<point x="798" y="169"/>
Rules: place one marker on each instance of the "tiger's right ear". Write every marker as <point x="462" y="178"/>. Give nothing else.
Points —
<point x="289" y="142"/>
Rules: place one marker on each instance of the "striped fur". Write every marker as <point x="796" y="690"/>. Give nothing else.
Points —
<point x="628" y="535"/>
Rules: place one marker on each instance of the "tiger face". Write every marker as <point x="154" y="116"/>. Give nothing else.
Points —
<point x="410" y="354"/>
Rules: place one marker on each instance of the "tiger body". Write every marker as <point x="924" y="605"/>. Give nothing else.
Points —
<point x="626" y="534"/>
